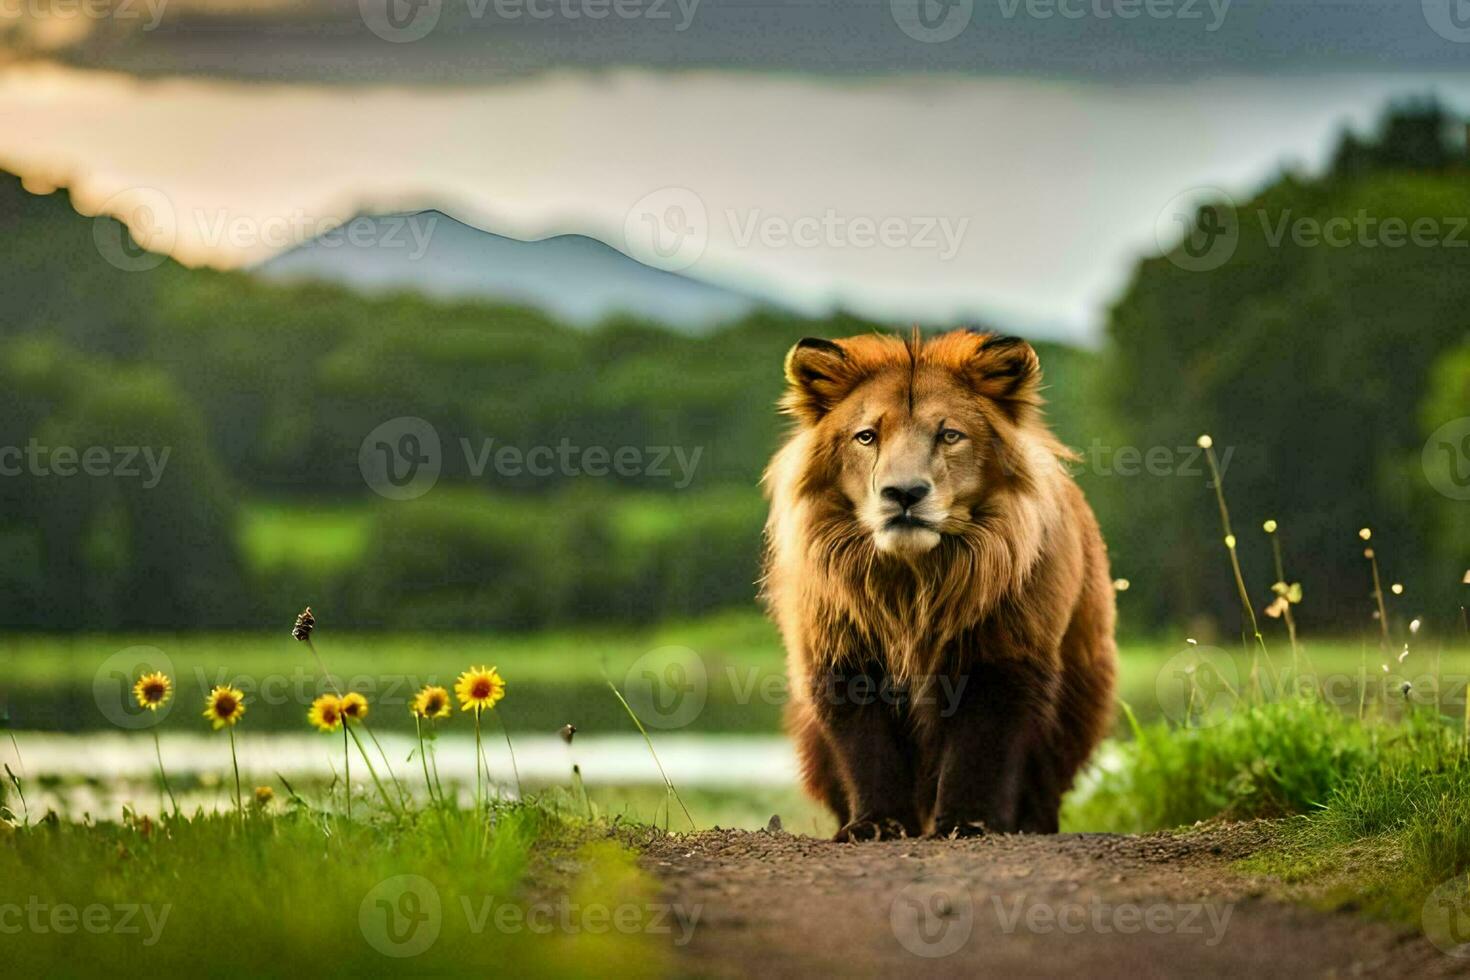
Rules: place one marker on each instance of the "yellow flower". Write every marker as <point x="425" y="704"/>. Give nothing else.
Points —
<point x="326" y="713"/>
<point x="354" y="706"/>
<point x="479" y="688"/>
<point x="431" y="702"/>
<point x="263" y="796"/>
<point x="152" y="690"/>
<point x="224" y="706"/>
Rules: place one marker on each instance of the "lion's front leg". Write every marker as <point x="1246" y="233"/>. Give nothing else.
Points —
<point x="868" y="734"/>
<point x="983" y="748"/>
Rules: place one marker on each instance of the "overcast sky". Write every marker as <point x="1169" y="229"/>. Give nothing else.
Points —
<point x="1020" y="199"/>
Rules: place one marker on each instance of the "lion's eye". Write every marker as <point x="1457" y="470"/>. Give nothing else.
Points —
<point x="866" y="437"/>
<point x="951" y="436"/>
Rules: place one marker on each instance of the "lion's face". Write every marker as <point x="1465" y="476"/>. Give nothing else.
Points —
<point x="908" y="436"/>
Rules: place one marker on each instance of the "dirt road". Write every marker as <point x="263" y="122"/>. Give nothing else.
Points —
<point x="1075" y="905"/>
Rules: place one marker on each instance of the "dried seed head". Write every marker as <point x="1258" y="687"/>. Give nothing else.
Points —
<point x="305" y="623"/>
<point x="1405" y="688"/>
<point x="568" y="731"/>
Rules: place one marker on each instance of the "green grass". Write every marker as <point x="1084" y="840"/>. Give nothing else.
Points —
<point x="308" y="538"/>
<point x="557" y="676"/>
<point x="1373" y="813"/>
<point x="302" y="893"/>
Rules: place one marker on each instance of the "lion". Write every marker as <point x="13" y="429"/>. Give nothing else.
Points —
<point x="940" y="584"/>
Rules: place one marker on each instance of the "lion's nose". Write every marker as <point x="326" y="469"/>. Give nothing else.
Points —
<point x="907" y="496"/>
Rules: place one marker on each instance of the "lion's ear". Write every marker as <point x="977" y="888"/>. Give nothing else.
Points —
<point x="818" y="375"/>
<point x="1007" y="371"/>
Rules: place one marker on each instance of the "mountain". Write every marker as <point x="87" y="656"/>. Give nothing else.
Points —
<point x="570" y="277"/>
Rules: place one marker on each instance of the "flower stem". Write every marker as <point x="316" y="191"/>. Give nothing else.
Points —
<point x="162" y="776"/>
<point x="402" y="800"/>
<point x="668" y="784"/>
<point x="235" y="760"/>
<point x="418" y="729"/>
<point x="1245" y="599"/>
<point x="478" y="796"/>
<point x="388" y="800"/>
<point x="347" y="768"/>
<point x="506" y="731"/>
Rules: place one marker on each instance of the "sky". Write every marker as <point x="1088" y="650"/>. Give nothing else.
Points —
<point x="1017" y="191"/>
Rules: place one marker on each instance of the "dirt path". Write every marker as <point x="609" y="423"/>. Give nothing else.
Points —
<point x="1076" y="905"/>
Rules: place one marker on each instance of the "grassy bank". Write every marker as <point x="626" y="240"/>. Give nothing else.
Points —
<point x="292" y="891"/>
<point x="52" y="681"/>
<point x="1371" y="813"/>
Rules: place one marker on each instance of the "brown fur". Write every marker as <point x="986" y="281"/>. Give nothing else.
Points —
<point x="952" y="659"/>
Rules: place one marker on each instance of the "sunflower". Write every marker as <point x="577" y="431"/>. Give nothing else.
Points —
<point x="431" y="702"/>
<point x="354" y="706"/>
<point x="326" y="713"/>
<point x="479" y="688"/>
<point x="152" y="690"/>
<point x="224" y="706"/>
